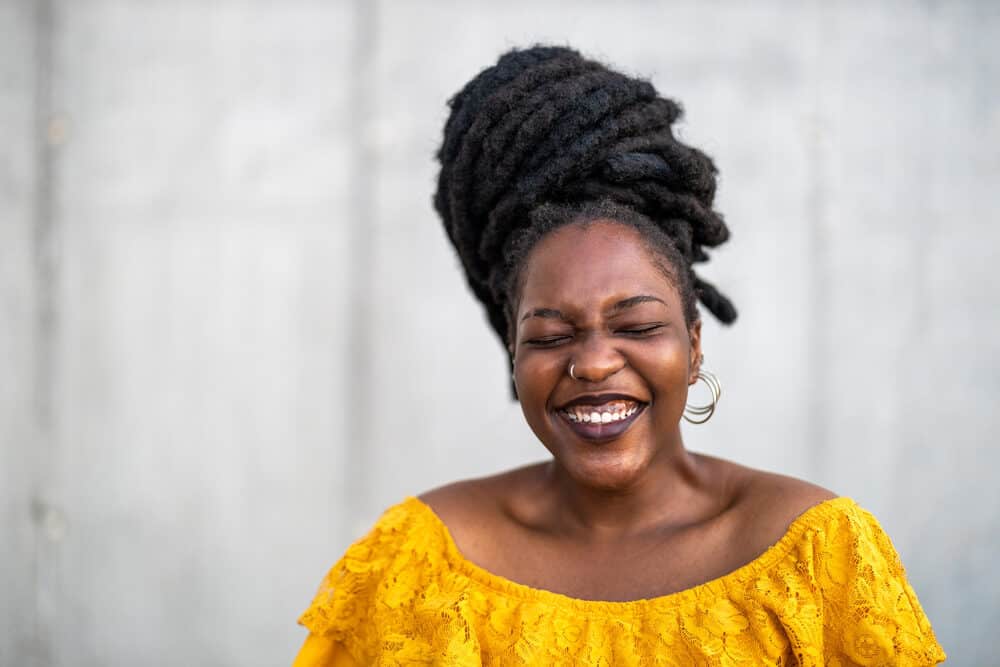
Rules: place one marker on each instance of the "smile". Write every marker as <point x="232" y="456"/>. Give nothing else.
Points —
<point x="601" y="421"/>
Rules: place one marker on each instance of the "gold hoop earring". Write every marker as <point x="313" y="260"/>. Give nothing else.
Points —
<point x="699" y="414"/>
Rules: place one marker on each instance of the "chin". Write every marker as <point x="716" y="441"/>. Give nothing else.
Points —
<point x="614" y="464"/>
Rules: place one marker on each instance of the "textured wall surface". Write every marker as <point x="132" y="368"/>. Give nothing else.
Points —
<point x="19" y="322"/>
<point x="232" y="330"/>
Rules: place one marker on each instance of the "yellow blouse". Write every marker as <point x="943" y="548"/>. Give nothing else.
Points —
<point x="830" y="592"/>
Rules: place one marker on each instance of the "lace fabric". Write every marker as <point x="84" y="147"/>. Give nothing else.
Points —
<point x="831" y="591"/>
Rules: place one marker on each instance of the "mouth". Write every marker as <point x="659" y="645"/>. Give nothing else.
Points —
<point x="601" y="418"/>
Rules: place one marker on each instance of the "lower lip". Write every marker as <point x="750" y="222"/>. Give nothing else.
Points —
<point x="601" y="432"/>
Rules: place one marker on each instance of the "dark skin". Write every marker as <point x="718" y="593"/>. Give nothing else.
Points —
<point x="612" y="516"/>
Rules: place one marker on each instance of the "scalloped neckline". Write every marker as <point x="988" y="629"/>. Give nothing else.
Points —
<point x="717" y="585"/>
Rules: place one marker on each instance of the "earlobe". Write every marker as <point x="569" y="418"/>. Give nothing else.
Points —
<point x="695" y="368"/>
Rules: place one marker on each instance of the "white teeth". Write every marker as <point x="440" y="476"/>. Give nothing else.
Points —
<point x="600" y="417"/>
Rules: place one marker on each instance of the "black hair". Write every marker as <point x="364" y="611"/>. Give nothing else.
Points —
<point x="547" y="137"/>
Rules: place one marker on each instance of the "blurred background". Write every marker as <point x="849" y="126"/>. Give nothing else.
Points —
<point x="232" y="331"/>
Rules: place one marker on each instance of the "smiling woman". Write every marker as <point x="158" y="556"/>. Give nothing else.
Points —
<point x="595" y="302"/>
<point x="578" y="218"/>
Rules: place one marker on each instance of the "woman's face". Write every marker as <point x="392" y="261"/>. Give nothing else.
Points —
<point x="594" y="297"/>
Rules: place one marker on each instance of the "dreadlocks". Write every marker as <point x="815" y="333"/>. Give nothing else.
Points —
<point x="546" y="137"/>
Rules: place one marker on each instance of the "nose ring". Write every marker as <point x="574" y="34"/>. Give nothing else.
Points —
<point x="571" y="367"/>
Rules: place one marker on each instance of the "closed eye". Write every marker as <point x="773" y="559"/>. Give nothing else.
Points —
<point x="547" y="341"/>
<point x="644" y="330"/>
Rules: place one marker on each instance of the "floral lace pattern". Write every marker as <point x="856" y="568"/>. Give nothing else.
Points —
<point x="832" y="592"/>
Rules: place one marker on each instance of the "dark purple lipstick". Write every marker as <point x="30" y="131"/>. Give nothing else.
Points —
<point x="600" y="419"/>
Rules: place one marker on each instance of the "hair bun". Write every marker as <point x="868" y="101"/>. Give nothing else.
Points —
<point x="545" y="125"/>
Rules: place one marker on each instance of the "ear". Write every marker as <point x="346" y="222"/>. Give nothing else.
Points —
<point x="695" y="354"/>
<point x="511" y="336"/>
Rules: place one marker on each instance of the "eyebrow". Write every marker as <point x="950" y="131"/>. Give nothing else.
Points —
<point x="624" y="304"/>
<point x="546" y="312"/>
<point x="633" y="301"/>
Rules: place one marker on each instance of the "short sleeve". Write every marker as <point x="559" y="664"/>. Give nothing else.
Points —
<point x="376" y="573"/>
<point x="871" y="615"/>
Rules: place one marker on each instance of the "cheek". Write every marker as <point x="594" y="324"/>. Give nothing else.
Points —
<point x="668" y="371"/>
<point x="535" y="385"/>
<point x="536" y="378"/>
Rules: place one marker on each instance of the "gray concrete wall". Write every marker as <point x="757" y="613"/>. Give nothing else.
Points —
<point x="20" y="437"/>
<point x="232" y="331"/>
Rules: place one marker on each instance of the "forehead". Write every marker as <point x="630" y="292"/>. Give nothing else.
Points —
<point x="590" y="265"/>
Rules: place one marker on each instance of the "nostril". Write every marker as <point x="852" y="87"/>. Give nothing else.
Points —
<point x="594" y="372"/>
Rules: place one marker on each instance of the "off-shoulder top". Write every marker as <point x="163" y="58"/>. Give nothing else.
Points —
<point x="831" y="591"/>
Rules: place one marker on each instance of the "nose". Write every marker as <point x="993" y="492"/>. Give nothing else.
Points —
<point x="596" y="360"/>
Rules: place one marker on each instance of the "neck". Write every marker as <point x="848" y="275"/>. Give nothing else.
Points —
<point x="670" y="492"/>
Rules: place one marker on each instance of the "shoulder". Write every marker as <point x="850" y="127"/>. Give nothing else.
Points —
<point x="378" y="570"/>
<point x="773" y="508"/>
<point x="406" y="528"/>
<point x="478" y="512"/>
<point x="485" y="498"/>
<point x="765" y="504"/>
<point x="462" y="502"/>
<point x="834" y="555"/>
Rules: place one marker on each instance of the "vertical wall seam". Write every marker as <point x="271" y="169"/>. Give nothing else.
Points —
<point x="45" y="324"/>
<point x="818" y="327"/>
<point x="361" y="184"/>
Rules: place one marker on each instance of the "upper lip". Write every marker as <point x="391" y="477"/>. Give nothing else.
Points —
<point x="598" y="399"/>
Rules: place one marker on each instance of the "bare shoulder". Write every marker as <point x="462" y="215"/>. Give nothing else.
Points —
<point x="769" y="503"/>
<point x="765" y="504"/>
<point x="458" y="502"/>
<point x="473" y="506"/>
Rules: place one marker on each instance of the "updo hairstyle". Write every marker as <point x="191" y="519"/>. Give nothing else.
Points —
<point x="546" y="138"/>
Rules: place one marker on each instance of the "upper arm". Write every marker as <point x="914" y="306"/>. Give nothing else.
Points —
<point x="871" y="613"/>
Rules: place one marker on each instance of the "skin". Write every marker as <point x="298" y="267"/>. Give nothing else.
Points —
<point x="633" y="516"/>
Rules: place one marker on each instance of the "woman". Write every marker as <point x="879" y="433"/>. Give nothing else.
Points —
<point x="578" y="217"/>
